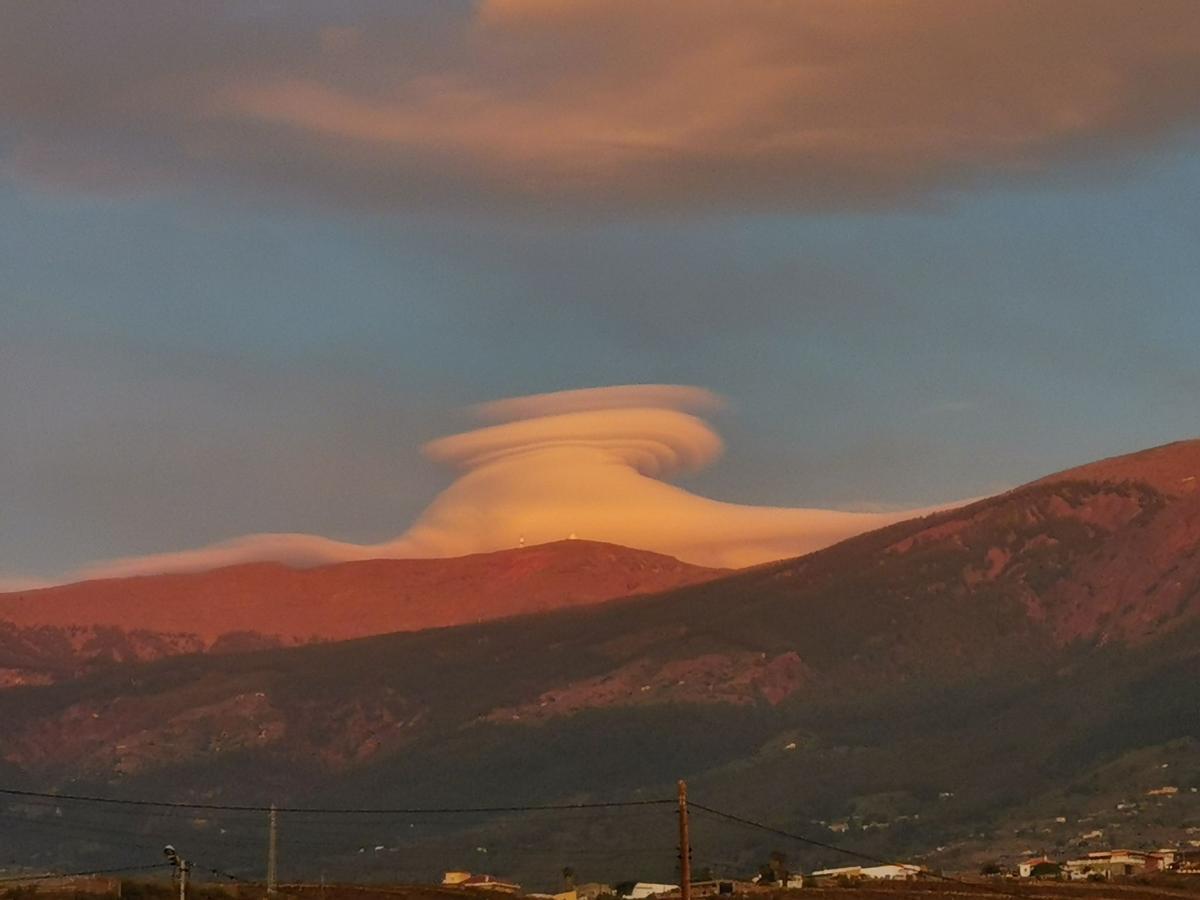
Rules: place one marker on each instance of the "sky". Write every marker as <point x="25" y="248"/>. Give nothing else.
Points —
<point x="255" y="256"/>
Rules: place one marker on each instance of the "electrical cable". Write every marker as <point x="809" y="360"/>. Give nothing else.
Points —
<point x="81" y="874"/>
<point x="170" y="804"/>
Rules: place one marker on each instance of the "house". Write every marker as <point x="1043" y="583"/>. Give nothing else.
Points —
<point x="893" y="872"/>
<point x="1041" y="867"/>
<point x="889" y="872"/>
<point x="643" y="889"/>
<point x="592" y="889"/>
<point x="479" y="883"/>
<point x="491" y="883"/>
<point x="850" y="872"/>
<point x="1168" y="858"/>
<point x="1109" y="864"/>
<point x="720" y="887"/>
<point x="764" y="881"/>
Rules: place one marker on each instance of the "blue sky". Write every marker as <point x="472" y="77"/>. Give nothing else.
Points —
<point x="184" y="360"/>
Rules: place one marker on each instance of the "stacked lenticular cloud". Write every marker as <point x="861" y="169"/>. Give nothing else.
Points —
<point x="586" y="463"/>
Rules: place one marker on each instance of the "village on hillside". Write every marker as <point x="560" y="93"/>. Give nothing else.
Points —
<point x="1100" y="865"/>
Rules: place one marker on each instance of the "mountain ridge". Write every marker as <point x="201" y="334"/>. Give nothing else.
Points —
<point x="944" y="676"/>
<point x="50" y="633"/>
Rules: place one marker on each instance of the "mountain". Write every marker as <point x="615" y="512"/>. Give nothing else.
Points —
<point x="48" y="633"/>
<point x="961" y="681"/>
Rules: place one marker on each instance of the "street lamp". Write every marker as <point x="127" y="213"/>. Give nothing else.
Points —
<point x="180" y="866"/>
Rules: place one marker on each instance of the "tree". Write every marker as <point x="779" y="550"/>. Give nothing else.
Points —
<point x="775" y="870"/>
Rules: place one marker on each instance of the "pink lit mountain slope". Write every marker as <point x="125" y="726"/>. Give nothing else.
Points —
<point x="261" y="604"/>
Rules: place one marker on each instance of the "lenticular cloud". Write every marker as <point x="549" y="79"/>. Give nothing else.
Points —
<point x="589" y="464"/>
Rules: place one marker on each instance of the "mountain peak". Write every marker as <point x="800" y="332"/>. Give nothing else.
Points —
<point x="1172" y="469"/>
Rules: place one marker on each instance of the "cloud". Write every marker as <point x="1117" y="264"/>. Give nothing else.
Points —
<point x="583" y="463"/>
<point x="611" y="103"/>
<point x="654" y="396"/>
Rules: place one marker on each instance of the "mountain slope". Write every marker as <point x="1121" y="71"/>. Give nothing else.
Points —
<point x="939" y="675"/>
<point x="45" y="633"/>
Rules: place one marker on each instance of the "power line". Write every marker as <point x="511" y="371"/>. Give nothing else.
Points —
<point x="112" y="871"/>
<point x="762" y="826"/>
<point x="866" y="857"/>
<point x="341" y="810"/>
<point x="223" y="874"/>
<point x="114" y="802"/>
<point x="307" y="819"/>
<point x="103" y="833"/>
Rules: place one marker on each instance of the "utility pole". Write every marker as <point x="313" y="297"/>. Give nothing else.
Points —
<point x="272" y="851"/>
<point x="180" y="867"/>
<point x="685" y="846"/>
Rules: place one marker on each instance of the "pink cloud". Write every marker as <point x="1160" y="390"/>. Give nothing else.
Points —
<point x="653" y="396"/>
<point x="585" y="463"/>
<point x="619" y="103"/>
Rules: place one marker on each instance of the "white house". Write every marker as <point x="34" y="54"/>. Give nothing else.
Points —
<point x="644" y="889"/>
<point x="892" y="872"/>
<point x="889" y="872"/>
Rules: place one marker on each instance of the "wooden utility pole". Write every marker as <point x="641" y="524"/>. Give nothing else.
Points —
<point x="685" y="846"/>
<point x="272" y="851"/>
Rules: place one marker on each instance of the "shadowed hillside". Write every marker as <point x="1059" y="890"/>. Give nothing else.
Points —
<point x="932" y="680"/>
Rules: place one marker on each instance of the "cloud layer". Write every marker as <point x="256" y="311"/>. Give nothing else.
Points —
<point x="615" y="103"/>
<point x="586" y="464"/>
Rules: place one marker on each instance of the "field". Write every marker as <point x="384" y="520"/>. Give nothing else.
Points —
<point x="1155" y="888"/>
